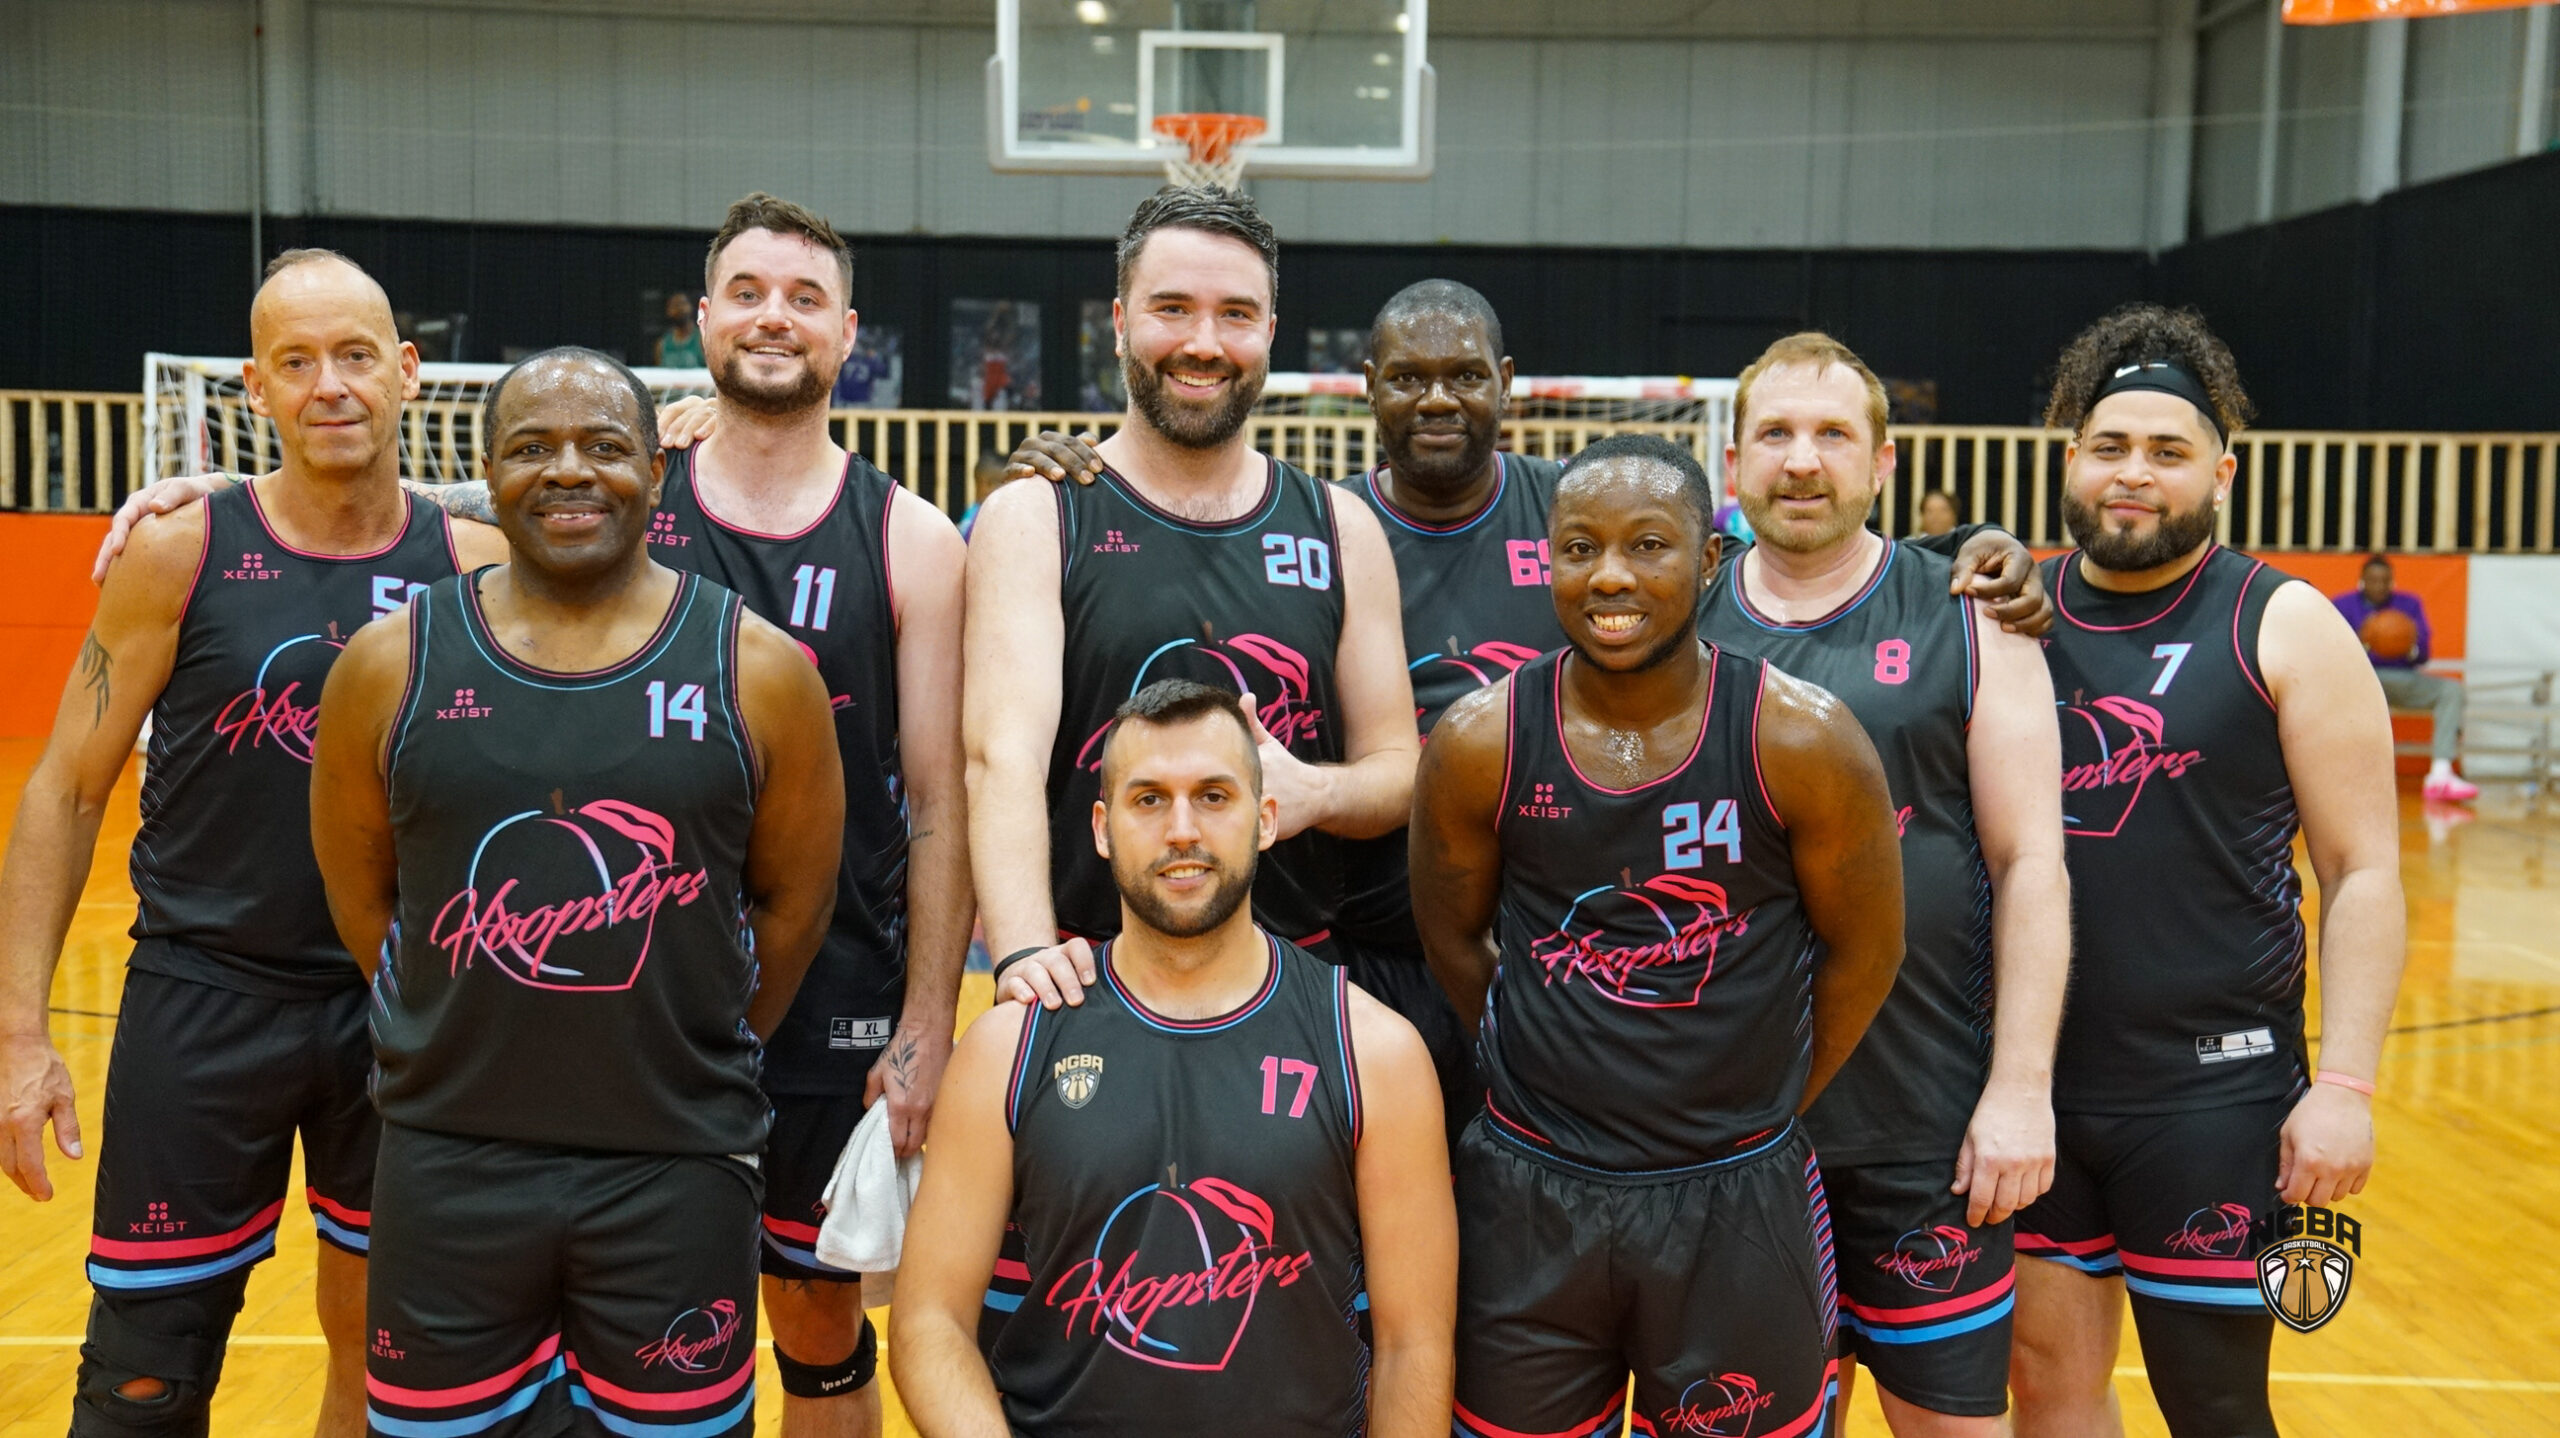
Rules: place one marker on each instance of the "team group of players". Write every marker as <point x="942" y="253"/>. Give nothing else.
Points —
<point x="1686" y="1009"/>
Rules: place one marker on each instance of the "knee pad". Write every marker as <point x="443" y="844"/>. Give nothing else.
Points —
<point x="177" y="1339"/>
<point x="832" y="1380"/>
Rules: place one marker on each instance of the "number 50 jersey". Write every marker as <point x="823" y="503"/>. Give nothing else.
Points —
<point x="1654" y="1005"/>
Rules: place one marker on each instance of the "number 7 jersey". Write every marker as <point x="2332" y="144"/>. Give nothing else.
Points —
<point x="1654" y="1005"/>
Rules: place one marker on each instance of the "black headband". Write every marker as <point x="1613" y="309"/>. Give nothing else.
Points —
<point x="2163" y="376"/>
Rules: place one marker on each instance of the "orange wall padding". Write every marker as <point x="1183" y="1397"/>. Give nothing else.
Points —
<point x="45" y="603"/>
<point x="2441" y="582"/>
<point x="2347" y="12"/>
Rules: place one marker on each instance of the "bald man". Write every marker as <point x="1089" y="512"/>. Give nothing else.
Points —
<point x="243" y="1020"/>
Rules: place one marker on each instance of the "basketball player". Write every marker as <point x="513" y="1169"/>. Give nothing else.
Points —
<point x="1940" y="1125"/>
<point x="810" y="536"/>
<point x="1194" y="557"/>
<point x="1665" y="879"/>
<point x="771" y="508"/>
<point x="243" y="1018"/>
<point x="1224" y="1170"/>
<point x="1467" y="525"/>
<point x="2210" y="708"/>
<point x="578" y="814"/>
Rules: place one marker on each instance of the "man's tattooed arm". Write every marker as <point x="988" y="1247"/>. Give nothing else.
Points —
<point x="464" y="499"/>
<point x="97" y="672"/>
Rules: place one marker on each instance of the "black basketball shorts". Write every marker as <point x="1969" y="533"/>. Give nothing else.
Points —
<point x="2167" y="1200"/>
<point x="206" y="1089"/>
<point x="515" y="1283"/>
<point x="809" y="1135"/>
<point x="1925" y="1300"/>
<point x="1713" y="1285"/>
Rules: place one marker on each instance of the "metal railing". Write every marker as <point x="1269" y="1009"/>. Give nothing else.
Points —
<point x="81" y="453"/>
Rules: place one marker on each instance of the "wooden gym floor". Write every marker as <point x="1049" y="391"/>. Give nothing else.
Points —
<point x="2449" y="1329"/>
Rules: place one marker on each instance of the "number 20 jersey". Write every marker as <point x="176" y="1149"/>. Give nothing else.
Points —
<point x="1251" y="604"/>
<point x="1653" y="1009"/>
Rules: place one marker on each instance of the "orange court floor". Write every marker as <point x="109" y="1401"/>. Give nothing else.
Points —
<point x="2450" y="1326"/>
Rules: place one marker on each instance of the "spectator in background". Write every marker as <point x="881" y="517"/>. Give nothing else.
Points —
<point x="2398" y="639"/>
<point x="985" y="478"/>
<point x="680" y="346"/>
<point x="1937" y="512"/>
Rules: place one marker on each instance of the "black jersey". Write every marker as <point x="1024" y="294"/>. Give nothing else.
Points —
<point x="1251" y="604"/>
<point x="1476" y="606"/>
<point x="571" y="963"/>
<point x="1653" y="1008"/>
<point x="1185" y="1193"/>
<point x="230" y="893"/>
<point x="2178" y="820"/>
<point x="1901" y="654"/>
<point x="828" y="588"/>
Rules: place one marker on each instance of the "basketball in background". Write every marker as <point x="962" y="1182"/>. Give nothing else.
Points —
<point x="2389" y="634"/>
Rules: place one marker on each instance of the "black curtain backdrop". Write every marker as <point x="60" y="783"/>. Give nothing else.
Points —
<point x="2434" y="308"/>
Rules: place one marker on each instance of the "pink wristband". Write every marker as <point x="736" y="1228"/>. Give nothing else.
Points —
<point x="2361" y="1086"/>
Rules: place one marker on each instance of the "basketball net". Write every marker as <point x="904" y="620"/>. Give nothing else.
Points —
<point x="1215" y="146"/>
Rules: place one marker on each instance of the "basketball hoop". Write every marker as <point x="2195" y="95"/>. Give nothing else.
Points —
<point x="1215" y="147"/>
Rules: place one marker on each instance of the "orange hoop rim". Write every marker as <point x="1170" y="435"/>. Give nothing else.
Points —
<point x="1211" y="136"/>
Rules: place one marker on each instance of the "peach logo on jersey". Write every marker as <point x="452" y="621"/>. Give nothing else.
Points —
<point x="1933" y="1259"/>
<point x="1177" y="1274"/>
<point x="1650" y="946"/>
<point x="2112" y="749"/>
<point x="696" y="1341"/>
<point x="568" y="900"/>
<point x="1725" y="1406"/>
<point x="2221" y="1231"/>
<point x="1484" y="663"/>
<point x="281" y="706"/>
<point x="1277" y="676"/>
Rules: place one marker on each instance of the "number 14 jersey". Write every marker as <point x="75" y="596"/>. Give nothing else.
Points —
<point x="1654" y="1005"/>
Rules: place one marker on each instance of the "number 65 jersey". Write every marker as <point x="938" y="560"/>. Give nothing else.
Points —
<point x="1653" y="1009"/>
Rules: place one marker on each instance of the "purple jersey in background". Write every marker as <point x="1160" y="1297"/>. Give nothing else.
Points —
<point x="2352" y="604"/>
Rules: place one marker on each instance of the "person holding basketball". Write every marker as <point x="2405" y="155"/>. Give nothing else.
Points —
<point x="2397" y="638"/>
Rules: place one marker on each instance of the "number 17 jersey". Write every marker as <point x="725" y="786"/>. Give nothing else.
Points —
<point x="1653" y="1009"/>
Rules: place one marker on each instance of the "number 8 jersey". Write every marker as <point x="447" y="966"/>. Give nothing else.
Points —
<point x="1654" y="1005"/>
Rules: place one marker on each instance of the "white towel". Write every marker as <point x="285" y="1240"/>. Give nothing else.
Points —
<point x="867" y="1199"/>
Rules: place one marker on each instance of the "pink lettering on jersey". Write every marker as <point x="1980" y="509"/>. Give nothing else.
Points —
<point x="1598" y="941"/>
<point x="616" y="865"/>
<point x="2112" y="748"/>
<point x="1276" y="675"/>
<point x="1177" y="1273"/>
<point x="281" y="706"/>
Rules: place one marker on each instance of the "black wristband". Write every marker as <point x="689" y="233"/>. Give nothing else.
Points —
<point x="1017" y="956"/>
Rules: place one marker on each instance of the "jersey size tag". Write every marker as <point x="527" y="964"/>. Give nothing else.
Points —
<point x="859" y="1033"/>
<point x="2246" y="1044"/>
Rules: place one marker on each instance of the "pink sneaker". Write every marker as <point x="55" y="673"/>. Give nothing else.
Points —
<point x="2451" y="789"/>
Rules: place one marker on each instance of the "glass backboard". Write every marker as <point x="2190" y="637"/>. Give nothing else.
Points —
<point x="1340" y="85"/>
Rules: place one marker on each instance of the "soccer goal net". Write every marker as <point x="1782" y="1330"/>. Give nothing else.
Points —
<point x="197" y="420"/>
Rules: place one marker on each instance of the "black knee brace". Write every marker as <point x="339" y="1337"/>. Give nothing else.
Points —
<point x="832" y="1380"/>
<point x="175" y="1338"/>
<point x="2208" y="1370"/>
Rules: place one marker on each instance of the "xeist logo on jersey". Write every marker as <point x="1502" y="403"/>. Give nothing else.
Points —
<point x="2304" y="1269"/>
